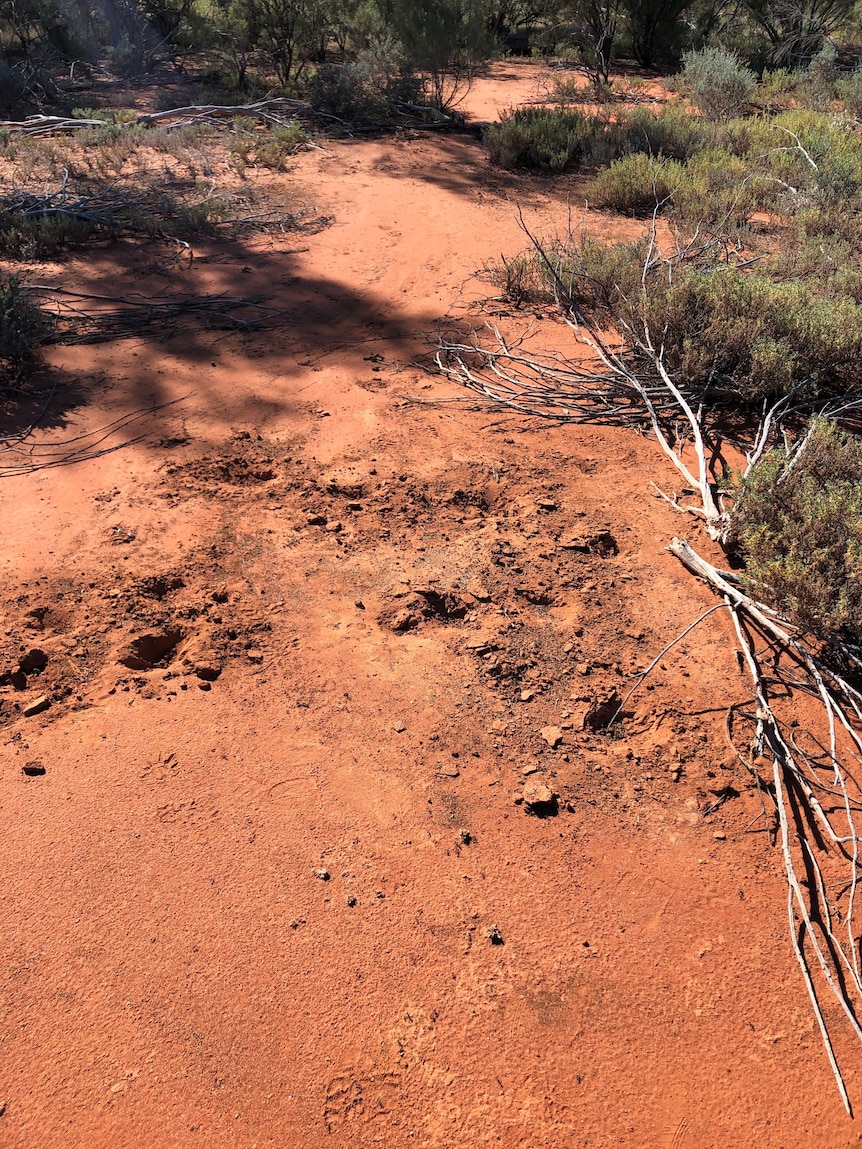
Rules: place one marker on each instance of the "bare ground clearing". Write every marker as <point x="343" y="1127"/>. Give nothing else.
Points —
<point x="310" y="651"/>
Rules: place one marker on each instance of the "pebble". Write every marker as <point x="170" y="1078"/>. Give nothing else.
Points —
<point x="494" y="935"/>
<point x="399" y="727"/>
<point x="719" y="837"/>
<point x="322" y="873"/>
<point x="36" y="706"/>
<point x="553" y="735"/>
<point x="527" y="695"/>
<point x="351" y="901"/>
<point x="255" y="656"/>
<point x="315" y="520"/>
<point x="538" y="796"/>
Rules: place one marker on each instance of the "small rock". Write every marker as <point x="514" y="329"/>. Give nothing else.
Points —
<point x="527" y="695"/>
<point x="255" y="656"/>
<point x="449" y="771"/>
<point x="479" y="591"/>
<point x="334" y="528"/>
<point x="546" y="504"/>
<point x="208" y="671"/>
<point x="399" y="727"/>
<point x="719" y="837"/>
<point x="539" y="798"/>
<point x="494" y="935"/>
<point x="359" y="604"/>
<point x="33" y="769"/>
<point x="315" y="520"/>
<point x="553" y="735"/>
<point x="33" y="660"/>
<point x="465" y="836"/>
<point x="36" y="706"/>
<point x="205" y="686"/>
<point x="322" y="873"/>
<point x="528" y="770"/>
<point x="583" y="668"/>
<point x="220" y="595"/>
<point x="354" y="506"/>
<point x="351" y="901"/>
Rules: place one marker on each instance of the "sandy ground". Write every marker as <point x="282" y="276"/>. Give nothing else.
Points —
<point x="270" y="871"/>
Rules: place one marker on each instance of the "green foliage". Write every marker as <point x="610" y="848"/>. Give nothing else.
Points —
<point x="638" y="184"/>
<point x="799" y="525"/>
<point x="444" y="40"/>
<point x="849" y="91"/>
<point x="546" y="139"/>
<point x="273" y="150"/>
<point x="718" y="84"/>
<point x="751" y="336"/>
<point x="23" y="327"/>
<point x="31" y="237"/>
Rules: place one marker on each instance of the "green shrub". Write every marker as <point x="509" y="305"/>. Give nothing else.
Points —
<point x="23" y="327"/>
<point x="637" y="184"/>
<point x="31" y="237"/>
<point x="273" y="150"/>
<point x="753" y="337"/>
<point x="675" y="134"/>
<point x="546" y="139"/>
<point x="718" y="187"/>
<point x="799" y="525"/>
<point x="717" y="82"/>
<point x="849" y="91"/>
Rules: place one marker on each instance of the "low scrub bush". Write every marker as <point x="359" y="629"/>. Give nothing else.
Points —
<point x="637" y="184"/>
<point x="716" y="81"/>
<point x="799" y="526"/>
<point x="751" y="336"/>
<point x="545" y="139"/>
<point x="675" y="134"/>
<point x="23" y="327"/>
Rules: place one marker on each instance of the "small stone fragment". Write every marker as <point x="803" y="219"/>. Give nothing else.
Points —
<point x="322" y="873"/>
<point x="334" y="528"/>
<point x="465" y="836"/>
<point x="37" y="706"/>
<point x="719" y="837"/>
<point x="255" y="656"/>
<point x="354" y="506"/>
<point x="33" y="769"/>
<point x="553" y="735"/>
<point x="494" y="935"/>
<point x="208" y="671"/>
<point x="351" y="901"/>
<point x="527" y="695"/>
<point x="583" y="668"/>
<point x="399" y="727"/>
<point x="546" y="504"/>
<point x="315" y="520"/>
<point x="539" y="798"/>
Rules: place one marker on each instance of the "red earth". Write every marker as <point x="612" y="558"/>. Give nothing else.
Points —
<point x="314" y="637"/>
